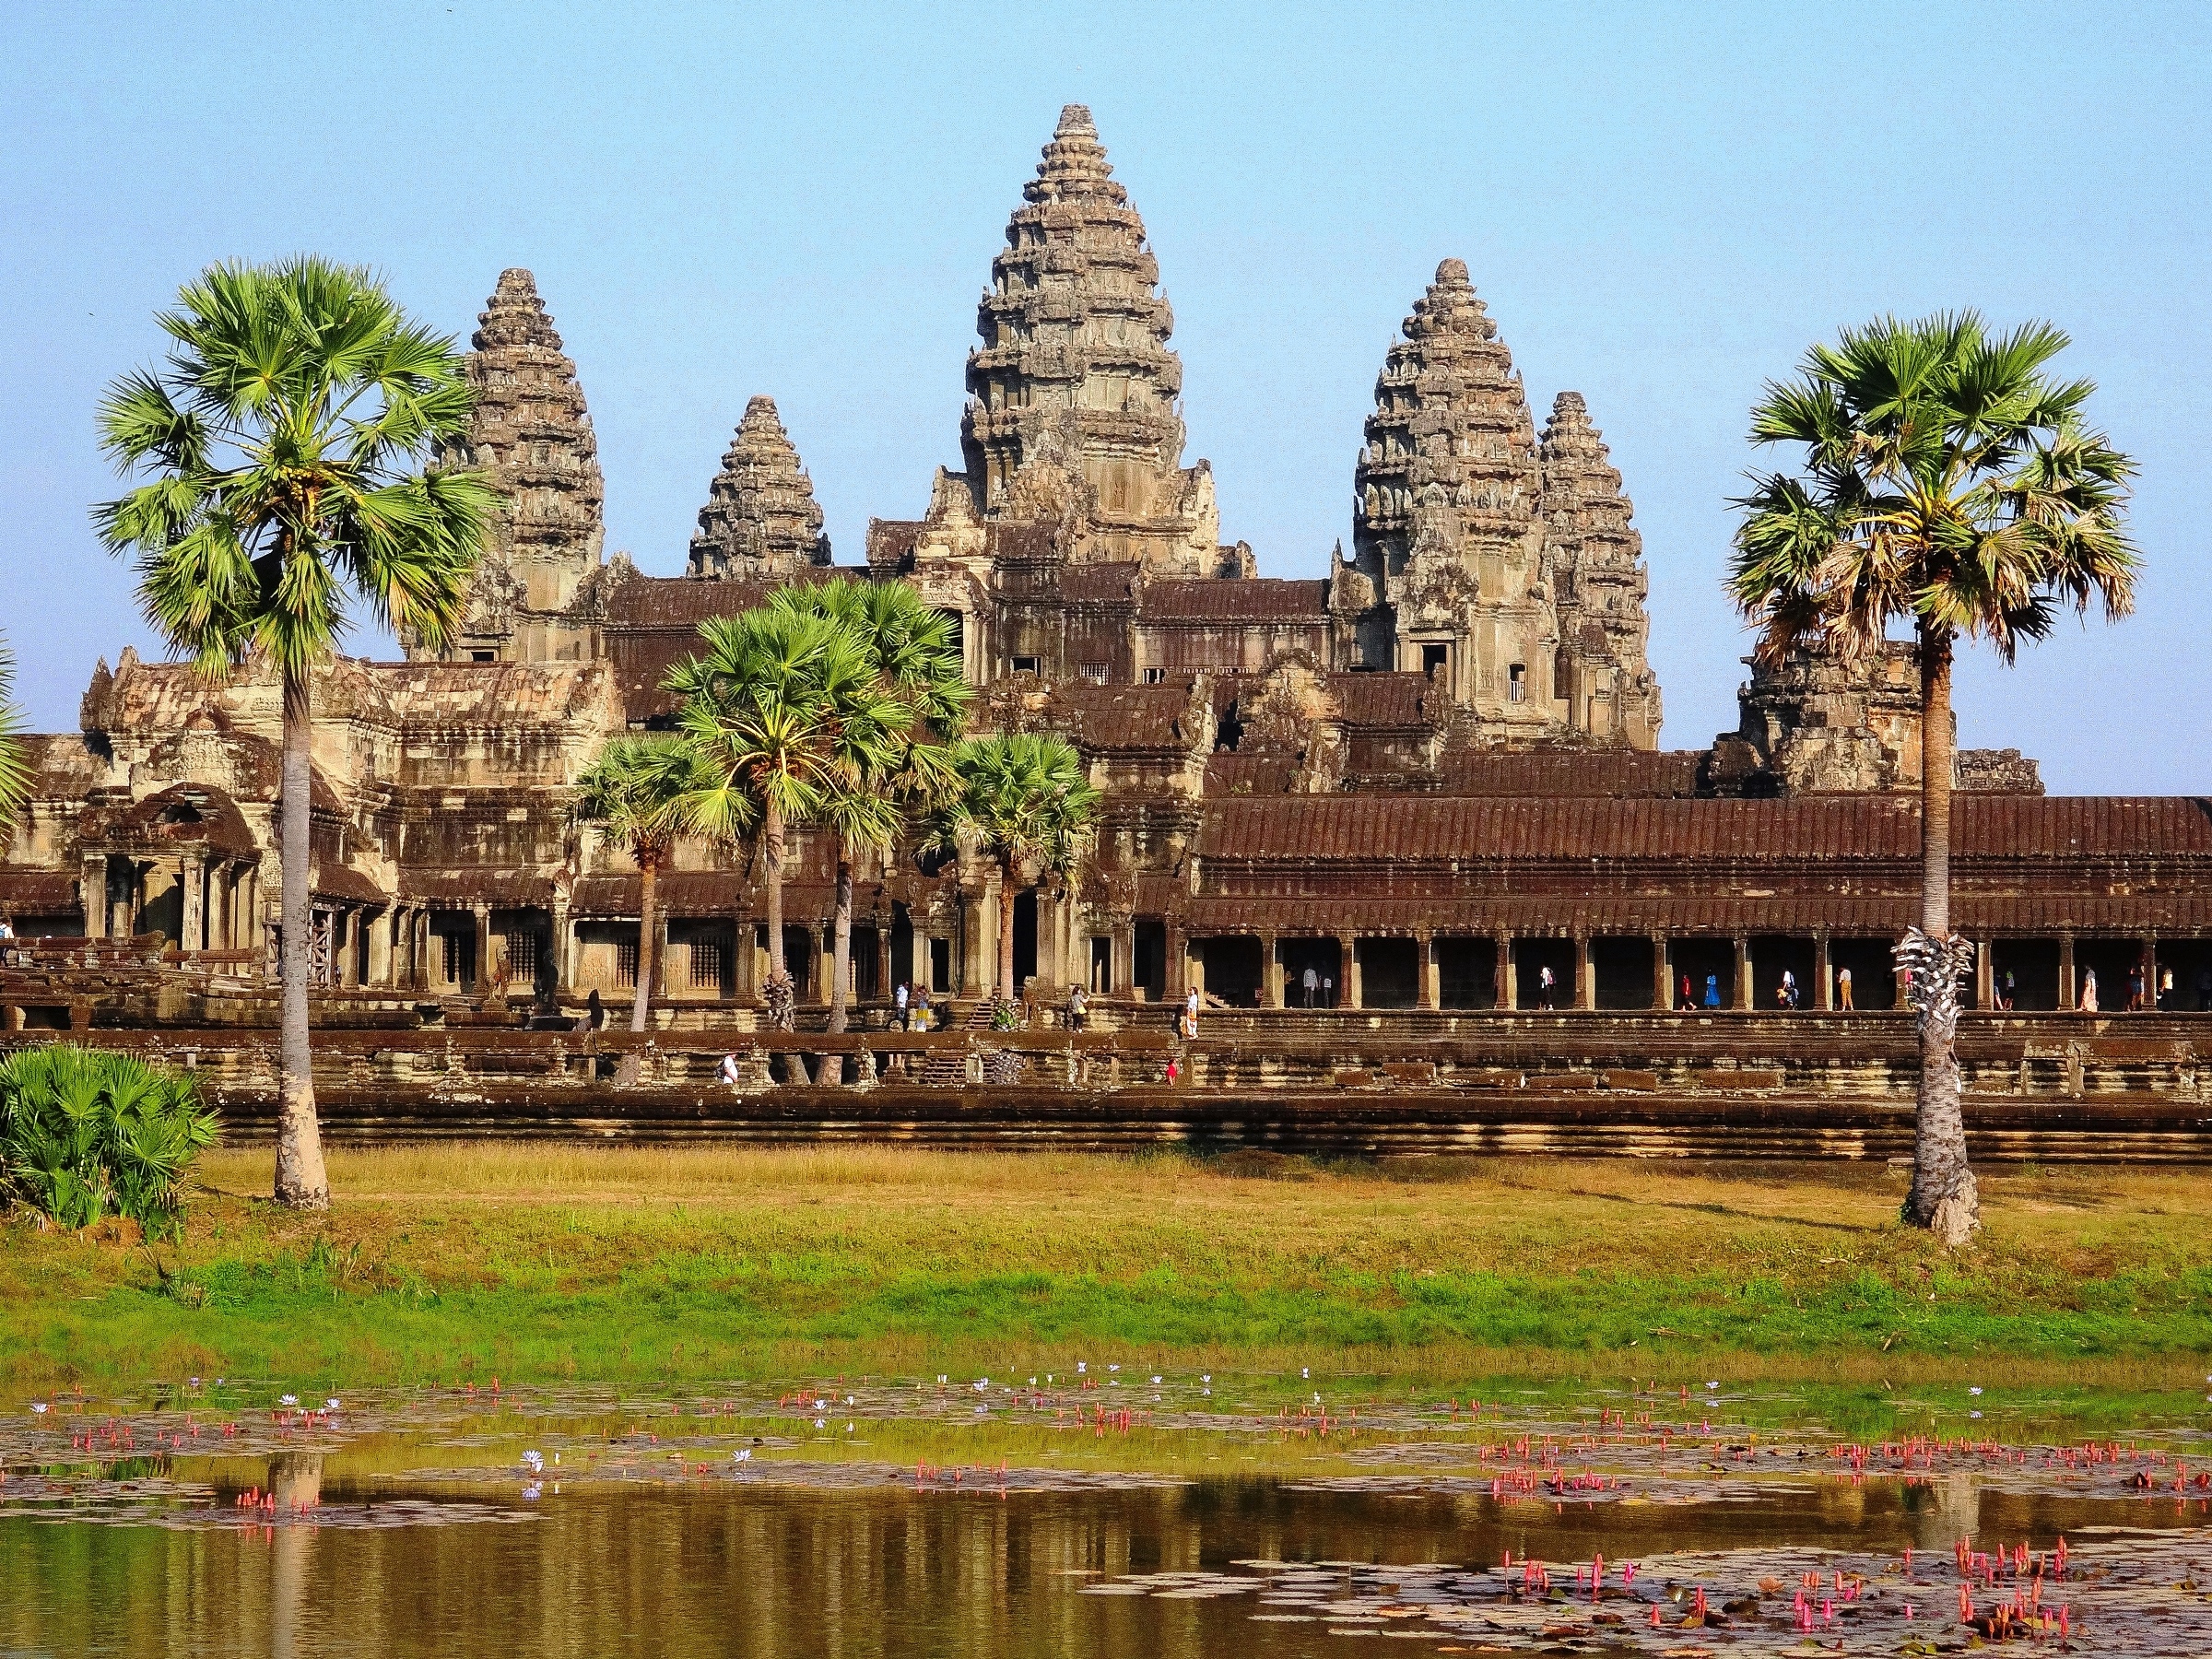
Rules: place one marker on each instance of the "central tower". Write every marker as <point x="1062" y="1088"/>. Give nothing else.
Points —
<point x="1071" y="417"/>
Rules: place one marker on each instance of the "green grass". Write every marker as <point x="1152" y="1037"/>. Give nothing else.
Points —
<point x="662" y="1266"/>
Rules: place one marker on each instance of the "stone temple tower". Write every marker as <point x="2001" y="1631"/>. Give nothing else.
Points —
<point x="761" y="522"/>
<point x="531" y="435"/>
<point x="1592" y="564"/>
<point x="1447" y="529"/>
<point x="1071" y="417"/>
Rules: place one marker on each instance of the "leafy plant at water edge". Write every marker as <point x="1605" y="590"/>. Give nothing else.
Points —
<point x="85" y="1133"/>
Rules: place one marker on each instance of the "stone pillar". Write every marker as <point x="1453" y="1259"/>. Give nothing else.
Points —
<point x="2150" y="972"/>
<point x="977" y="967"/>
<point x="2069" y="993"/>
<point x="1271" y="970"/>
<point x="1743" y="971"/>
<point x="192" y="890"/>
<point x="1355" y="990"/>
<point x="1432" y="988"/>
<point x="483" y="981"/>
<point x="379" y="948"/>
<point x="1824" y="975"/>
<point x="1342" y="996"/>
<point x="1508" y="973"/>
<point x="1585" y="974"/>
<point x="1663" y="971"/>
<point x="745" y="941"/>
<point x="826" y="944"/>
<point x="1985" y="983"/>
<point x="885" y="984"/>
<point x="92" y="888"/>
<point x="1124" y="956"/>
<point x="562" y="944"/>
<point x="1177" y="968"/>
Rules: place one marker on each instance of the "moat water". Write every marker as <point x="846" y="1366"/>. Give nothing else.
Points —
<point x="1152" y="1520"/>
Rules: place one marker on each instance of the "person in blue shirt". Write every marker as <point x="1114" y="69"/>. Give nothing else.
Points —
<point x="1712" y="990"/>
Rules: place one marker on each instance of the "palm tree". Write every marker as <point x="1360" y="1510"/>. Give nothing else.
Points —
<point x="1951" y="484"/>
<point x="911" y="645"/>
<point x="634" y="789"/>
<point x="284" y="440"/>
<point x="782" y="708"/>
<point x="1027" y="801"/>
<point x="14" y="769"/>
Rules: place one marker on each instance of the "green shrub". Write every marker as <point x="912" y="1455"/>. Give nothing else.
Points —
<point x="86" y="1132"/>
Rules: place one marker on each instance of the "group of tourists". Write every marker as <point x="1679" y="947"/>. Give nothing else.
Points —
<point x="912" y="1011"/>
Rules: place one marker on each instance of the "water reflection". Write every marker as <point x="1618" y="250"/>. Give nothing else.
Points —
<point x="758" y="1570"/>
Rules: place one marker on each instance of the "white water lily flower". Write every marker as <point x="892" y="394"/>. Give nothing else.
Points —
<point x="39" y="1407"/>
<point x="289" y="1400"/>
<point x="1973" y="1391"/>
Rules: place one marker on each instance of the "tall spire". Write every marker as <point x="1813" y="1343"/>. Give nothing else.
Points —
<point x="1591" y="557"/>
<point x="1448" y="411"/>
<point x="760" y="521"/>
<point x="531" y="435"/>
<point x="1071" y="413"/>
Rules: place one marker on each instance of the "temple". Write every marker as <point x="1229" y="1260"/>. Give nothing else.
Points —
<point x="1431" y="777"/>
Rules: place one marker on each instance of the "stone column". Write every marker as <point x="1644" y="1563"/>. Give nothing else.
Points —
<point x="1986" y="983"/>
<point x="1585" y="974"/>
<point x="1271" y="970"/>
<point x="192" y="908"/>
<point x="483" y="981"/>
<point x="2150" y="971"/>
<point x="562" y="942"/>
<point x="885" y="984"/>
<point x="1430" y="994"/>
<point x="1824" y="975"/>
<point x="1508" y="973"/>
<point x="1346" y="953"/>
<point x="380" y="948"/>
<point x="92" y="888"/>
<point x="978" y="972"/>
<point x="826" y="944"/>
<point x="745" y="940"/>
<point x="2069" y="994"/>
<point x="1177" y="968"/>
<point x="1354" y="989"/>
<point x="1743" y="971"/>
<point x="1663" y="972"/>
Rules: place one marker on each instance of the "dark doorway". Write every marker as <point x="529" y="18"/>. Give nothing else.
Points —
<point x="1873" y="972"/>
<point x="1232" y="969"/>
<point x="1466" y="973"/>
<point x="1390" y="973"/>
<point x="1623" y="971"/>
<point x="1435" y="657"/>
<point x="1772" y="956"/>
<point x="940" y="965"/>
<point x="2033" y="964"/>
<point x="1531" y="956"/>
<point x="1148" y="973"/>
<point x="798" y="961"/>
<point x="1102" y="965"/>
<point x="902" y="944"/>
<point x="1025" y="938"/>
<point x="2189" y="963"/>
<point x="1320" y="956"/>
<point x="2115" y="962"/>
<point x="867" y="963"/>
<point x="1710" y="966"/>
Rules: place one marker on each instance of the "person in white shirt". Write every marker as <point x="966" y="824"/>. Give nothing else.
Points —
<point x="1313" y="983"/>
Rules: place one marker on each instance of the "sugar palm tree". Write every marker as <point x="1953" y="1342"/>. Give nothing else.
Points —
<point x="1027" y="801"/>
<point x="1952" y="484"/>
<point x="781" y="709"/>
<point x="284" y="447"/>
<point x="634" y="789"/>
<point x="14" y="769"/>
<point x="910" y="646"/>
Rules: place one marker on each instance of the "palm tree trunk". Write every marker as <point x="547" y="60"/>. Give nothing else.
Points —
<point x="840" y="951"/>
<point x="779" y="993"/>
<point x="302" y="1180"/>
<point x="1006" y="933"/>
<point x="649" y="942"/>
<point x="1944" y="1198"/>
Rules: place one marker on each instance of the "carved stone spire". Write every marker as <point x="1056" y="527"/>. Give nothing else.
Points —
<point x="531" y="435"/>
<point x="1071" y="414"/>
<point x="1445" y="519"/>
<point x="761" y="522"/>
<point x="1592" y="557"/>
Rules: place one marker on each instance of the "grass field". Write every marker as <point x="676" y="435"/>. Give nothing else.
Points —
<point x="443" y="1264"/>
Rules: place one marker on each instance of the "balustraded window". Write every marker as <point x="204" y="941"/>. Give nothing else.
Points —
<point x="706" y="964"/>
<point x="626" y="963"/>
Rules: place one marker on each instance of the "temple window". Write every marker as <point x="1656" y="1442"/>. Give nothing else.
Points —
<point x="1095" y="672"/>
<point x="1025" y="665"/>
<point x="1517" y="683"/>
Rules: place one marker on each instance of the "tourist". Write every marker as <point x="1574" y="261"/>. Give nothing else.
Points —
<point x="2166" y="991"/>
<point x="7" y="928"/>
<point x="1078" y="1009"/>
<point x="2134" y="991"/>
<point x="1328" y="991"/>
<point x="1843" y="990"/>
<point x="1786" y="993"/>
<point x="2006" y="998"/>
<point x="1313" y="983"/>
<point x="899" y="1007"/>
<point x="1712" y="990"/>
<point x="1190" y="1012"/>
<point x="1688" y="1002"/>
<point x="594" y="1015"/>
<point x="1544" y="985"/>
<point x="728" y="1071"/>
<point x="2088" y="992"/>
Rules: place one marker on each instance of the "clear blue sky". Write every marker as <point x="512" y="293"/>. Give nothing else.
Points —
<point x="1661" y="205"/>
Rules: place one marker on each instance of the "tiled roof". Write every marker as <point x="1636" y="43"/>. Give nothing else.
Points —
<point x="1106" y="718"/>
<point x="1572" y="772"/>
<point x="1231" y="599"/>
